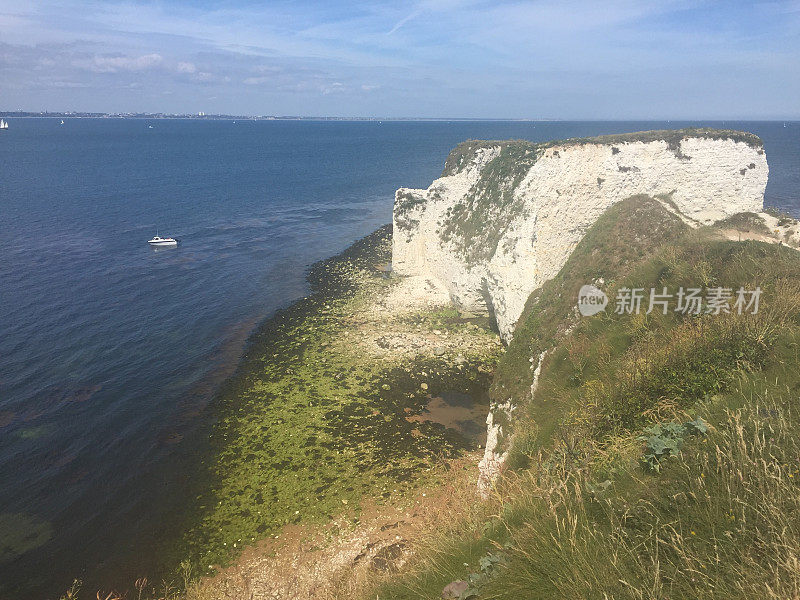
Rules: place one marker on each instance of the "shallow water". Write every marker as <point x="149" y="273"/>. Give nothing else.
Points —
<point x="462" y="412"/>
<point x="109" y="350"/>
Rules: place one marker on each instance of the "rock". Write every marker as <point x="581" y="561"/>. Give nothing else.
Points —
<point x="555" y="198"/>
<point x="6" y="418"/>
<point x="387" y="558"/>
<point x="439" y="351"/>
<point x="424" y="386"/>
<point x="170" y="439"/>
<point x="454" y="589"/>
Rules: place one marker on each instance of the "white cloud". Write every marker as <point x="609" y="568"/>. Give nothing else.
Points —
<point x="403" y="21"/>
<point x="445" y="57"/>
<point x="114" y="64"/>
<point x="68" y="84"/>
<point x="255" y="80"/>
<point x="333" y="88"/>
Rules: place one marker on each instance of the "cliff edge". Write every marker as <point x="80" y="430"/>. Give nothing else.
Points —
<point x="505" y="215"/>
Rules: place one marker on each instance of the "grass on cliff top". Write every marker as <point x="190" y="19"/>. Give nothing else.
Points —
<point x="582" y="512"/>
<point x="746" y="222"/>
<point x="621" y="238"/>
<point x="465" y="151"/>
<point x="476" y="225"/>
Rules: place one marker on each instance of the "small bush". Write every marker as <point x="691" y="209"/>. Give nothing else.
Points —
<point x="745" y="222"/>
<point x="778" y="213"/>
<point x="665" y="439"/>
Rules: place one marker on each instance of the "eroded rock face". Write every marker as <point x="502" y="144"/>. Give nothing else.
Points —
<point x="494" y="456"/>
<point x="505" y="216"/>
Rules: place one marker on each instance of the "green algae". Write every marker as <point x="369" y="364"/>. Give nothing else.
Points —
<point x="21" y="533"/>
<point x="310" y="425"/>
<point x="34" y="433"/>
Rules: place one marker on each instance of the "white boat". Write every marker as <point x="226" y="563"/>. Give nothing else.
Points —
<point x="62" y="121"/>
<point x="159" y="242"/>
<point x="3" y="124"/>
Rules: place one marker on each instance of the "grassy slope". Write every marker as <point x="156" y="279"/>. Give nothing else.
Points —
<point x="580" y="515"/>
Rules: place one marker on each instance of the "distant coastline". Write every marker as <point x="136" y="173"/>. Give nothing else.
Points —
<point x="223" y="117"/>
<point x="21" y="114"/>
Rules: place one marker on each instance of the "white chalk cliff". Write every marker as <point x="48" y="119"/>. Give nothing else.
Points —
<point x="505" y="216"/>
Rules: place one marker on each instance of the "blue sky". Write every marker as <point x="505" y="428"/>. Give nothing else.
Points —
<point x="570" y="59"/>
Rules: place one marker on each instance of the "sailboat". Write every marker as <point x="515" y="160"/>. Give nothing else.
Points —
<point x="62" y="121"/>
<point x="3" y="124"/>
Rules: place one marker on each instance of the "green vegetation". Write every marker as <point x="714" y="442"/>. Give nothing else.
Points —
<point x="663" y="440"/>
<point x="465" y="151"/>
<point x="673" y="137"/>
<point x="475" y="226"/>
<point x="622" y="236"/>
<point x="745" y="222"/>
<point x="404" y="204"/>
<point x="660" y="455"/>
<point x="311" y="423"/>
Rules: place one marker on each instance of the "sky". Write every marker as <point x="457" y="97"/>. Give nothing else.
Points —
<point x="561" y="59"/>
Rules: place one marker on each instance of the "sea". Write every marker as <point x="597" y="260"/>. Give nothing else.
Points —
<point x="111" y="351"/>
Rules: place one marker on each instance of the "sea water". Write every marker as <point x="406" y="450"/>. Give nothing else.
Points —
<point x="111" y="350"/>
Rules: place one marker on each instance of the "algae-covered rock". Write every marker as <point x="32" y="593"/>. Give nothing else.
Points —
<point x="21" y="533"/>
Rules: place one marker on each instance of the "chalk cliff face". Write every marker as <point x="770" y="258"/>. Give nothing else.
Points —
<point x="505" y="216"/>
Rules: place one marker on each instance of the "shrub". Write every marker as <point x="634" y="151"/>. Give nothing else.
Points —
<point x="665" y="439"/>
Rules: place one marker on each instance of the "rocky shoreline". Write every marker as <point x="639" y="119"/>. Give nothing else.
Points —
<point x="355" y="400"/>
<point x="383" y="376"/>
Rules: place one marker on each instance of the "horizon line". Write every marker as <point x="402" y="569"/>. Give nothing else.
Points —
<point x="21" y="113"/>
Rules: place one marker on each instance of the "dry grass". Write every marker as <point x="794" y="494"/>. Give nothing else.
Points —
<point x="580" y="517"/>
<point x="717" y="523"/>
<point x="725" y="530"/>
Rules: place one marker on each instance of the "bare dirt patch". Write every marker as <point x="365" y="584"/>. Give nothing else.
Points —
<point x="340" y="559"/>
